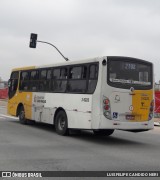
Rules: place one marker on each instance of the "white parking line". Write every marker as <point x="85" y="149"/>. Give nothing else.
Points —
<point x="3" y="115"/>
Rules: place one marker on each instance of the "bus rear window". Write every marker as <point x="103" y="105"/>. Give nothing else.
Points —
<point x="126" y="73"/>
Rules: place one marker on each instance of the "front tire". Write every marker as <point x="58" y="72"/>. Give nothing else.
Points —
<point x="22" y="118"/>
<point x="103" y="132"/>
<point x="61" y="123"/>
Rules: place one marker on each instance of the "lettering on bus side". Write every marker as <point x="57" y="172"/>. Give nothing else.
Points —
<point x="39" y="99"/>
<point x="85" y="100"/>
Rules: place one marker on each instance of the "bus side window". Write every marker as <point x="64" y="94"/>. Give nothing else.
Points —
<point x="93" y="76"/>
<point x="42" y="81"/>
<point x="24" y="81"/>
<point x="56" y="75"/>
<point x="34" y="80"/>
<point x="60" y="79"/>
<point x="77" y="79"/>
<point x="45" y="80"/>
<point x="49" y="80"/>
<point x="63" y="74"/>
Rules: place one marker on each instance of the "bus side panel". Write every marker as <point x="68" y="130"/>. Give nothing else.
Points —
<point x="79" y="120"/>
<point x="76" y="106"/>
<point x="24" y="98"/>
<point x="12" y="107"/>
<point x="13" y="104"/>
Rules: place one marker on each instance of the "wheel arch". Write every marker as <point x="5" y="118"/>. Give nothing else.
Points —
<point x="18" y="108"/>
<point x="56" y="112"/>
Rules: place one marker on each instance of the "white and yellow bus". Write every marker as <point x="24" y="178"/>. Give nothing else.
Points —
<point x="99" y="94"/>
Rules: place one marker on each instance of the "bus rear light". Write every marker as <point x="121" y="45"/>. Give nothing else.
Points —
<point x="106" y="108"/>
<point x="106" y="101"/>
<point x="151" y="109"/>
<point x="152" y="103"/>
<point x="152" y="106"/>
<point x="150" y="116"/>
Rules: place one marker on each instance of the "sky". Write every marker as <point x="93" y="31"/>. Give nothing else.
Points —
<point x="80" y="29"/>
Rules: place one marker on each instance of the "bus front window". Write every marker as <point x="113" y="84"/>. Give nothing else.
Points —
<point x="13" y="84"/>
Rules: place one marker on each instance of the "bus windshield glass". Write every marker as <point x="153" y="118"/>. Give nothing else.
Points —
<point x="130" y="73"/>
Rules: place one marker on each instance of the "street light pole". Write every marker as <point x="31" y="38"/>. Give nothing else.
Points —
<point x="55" y="48"/>
<point x="33" y="42"/>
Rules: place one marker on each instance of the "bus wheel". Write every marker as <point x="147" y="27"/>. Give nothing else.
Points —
<point x="22" y="118"/>
<point x="61" y="123"/>
<point x="103" y="132"/>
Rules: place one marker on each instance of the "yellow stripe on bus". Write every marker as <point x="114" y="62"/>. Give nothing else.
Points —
<point x="24" y="68"/>
<point x="141" y="101"/>
<point x="24" y="98"/>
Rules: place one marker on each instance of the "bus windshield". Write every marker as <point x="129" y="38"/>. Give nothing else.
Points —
<point x="126" y="73"/>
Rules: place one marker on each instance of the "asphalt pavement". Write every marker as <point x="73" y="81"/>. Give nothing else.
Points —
<point x="38" y="148"/>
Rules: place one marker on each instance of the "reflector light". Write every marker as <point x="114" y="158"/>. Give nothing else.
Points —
<point x="106" y="108"/>
<point x="152" y="103"/>
<point x="151" y="109"/>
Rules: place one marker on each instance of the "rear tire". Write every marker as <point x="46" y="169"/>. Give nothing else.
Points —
<point x="61" y="123"/>
<point x="103" y="132"/>
<point x="22" y="118"/>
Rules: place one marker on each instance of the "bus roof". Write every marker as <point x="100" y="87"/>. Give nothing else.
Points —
<point x="66" y="63"/>
<point x="24" y="68"/>
<point x="59" y="64"/>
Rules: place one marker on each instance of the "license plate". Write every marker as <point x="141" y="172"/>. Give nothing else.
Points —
<point x="130" y="117"/>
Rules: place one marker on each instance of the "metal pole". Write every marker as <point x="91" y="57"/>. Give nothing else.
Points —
<point x="55" y="48"/>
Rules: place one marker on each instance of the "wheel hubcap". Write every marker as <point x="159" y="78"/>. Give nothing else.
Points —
<point x="61" y="123"/>
<point x="22" y="115"/>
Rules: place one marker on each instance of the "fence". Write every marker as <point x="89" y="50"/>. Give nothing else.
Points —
<point x="157" y="104"/>
<point x="4" y="93"/>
